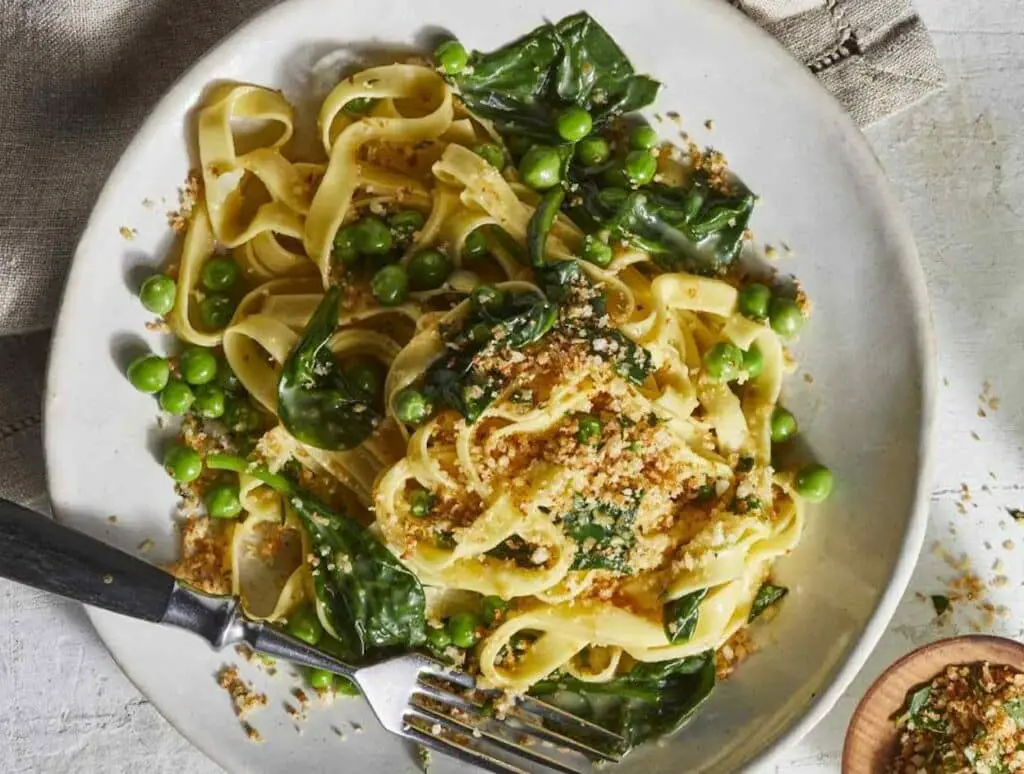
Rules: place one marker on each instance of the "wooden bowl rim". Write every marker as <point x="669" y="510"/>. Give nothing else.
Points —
<point x="978" y="641"/>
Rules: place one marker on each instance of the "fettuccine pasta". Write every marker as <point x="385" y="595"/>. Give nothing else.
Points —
<point x="557" y="421"/>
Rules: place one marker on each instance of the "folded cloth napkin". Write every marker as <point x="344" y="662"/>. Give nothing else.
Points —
<point x="78" y="76"/>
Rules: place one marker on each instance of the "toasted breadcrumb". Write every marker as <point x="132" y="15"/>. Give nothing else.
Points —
<point x="969" y="718"/>
<point x="243" y="697"/>
<point x="188" y="196"/>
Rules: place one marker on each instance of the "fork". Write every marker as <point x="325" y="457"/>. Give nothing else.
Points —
<point x="413" y="695"/>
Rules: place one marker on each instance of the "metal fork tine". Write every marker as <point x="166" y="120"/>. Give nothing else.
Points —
<point x="571" y="722"/>
<point x="448" y="746"/>
<point x="443" y="694"/>
<point x="454" y="676"/>
<point x="478" y="731"/>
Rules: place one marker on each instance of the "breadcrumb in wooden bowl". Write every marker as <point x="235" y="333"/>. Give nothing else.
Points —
<point x="956" y="705"/>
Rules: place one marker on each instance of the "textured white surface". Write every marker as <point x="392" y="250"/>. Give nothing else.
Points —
<point x="957" y="164"/>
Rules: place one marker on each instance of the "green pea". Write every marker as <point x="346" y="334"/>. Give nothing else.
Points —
<point x="488" y="298"/>
<point x="640" y="167"/>
<point x="428" y="269"/>
<point x="814" y="483"/>
<point x="373" y="237"/>
<point x="345" y="687"/>
<point x="462" y="628"/>
<point x="480" y="333"/>
<point x="784" y="425"/>
<point x="304" y="625"/>
<point x="475" y="245"/>
<point x="176" y="398"/>
<point x="157" y="294"/>
<point x="421" y="502"/>
<point x="593" y="151"/>
<point x="405" y="223"/>
<point x="182" y="464"/>
<point x="596" y="251"/>
<point x="452" y="57"/>
<point x="574" y="123"/>
<point x="589" y="429"/>
<point x="643" y="138"/>
<point x="241" y="417"/>
<point x="785" y="317"/>
<point x="222" y="501"/>
<point x="412" y="407"/>
<point x="541" y="167"/>
<point x="753" y="301"/>
<point x="359" y="106"/>
<point x="723" y="361"/>
<point x="753" y="362"/>
<point x="438" y="638"/>
<point x="493" y="607"/>
<point x="198" y="365"/>
<point x="321" y="679"/>
<point x="215" y="311"/>
<point x="345" y="250"/>
<point x="220" y="273"/>
<point x="210" y="401"/>
<point x="149" y="373"/>
<point x="491" y="153"/>
<point x="390" y="285"/>
<point x="366" y="376"/>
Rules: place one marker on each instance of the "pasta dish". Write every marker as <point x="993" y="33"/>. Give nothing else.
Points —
<point x="483" y="375"/>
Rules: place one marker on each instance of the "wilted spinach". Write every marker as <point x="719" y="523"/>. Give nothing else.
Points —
<point x="524" y="85"/>
<point x="456" y="380"/>
<point x="560" y="281"/>
<point x="766" y="596"/>
<point x="941" y="603"/>
<point x="316" y="403"/>
<point x="651" y="700"/>
<point x="603" y="533"/>
<point x="371" y="599"/>
<point x="1015" y="709"/>
<point x="680" y="616"/>
<point x="916" y="714"/>
<point x="541" y="221"/>
<point x="698" y="228"/>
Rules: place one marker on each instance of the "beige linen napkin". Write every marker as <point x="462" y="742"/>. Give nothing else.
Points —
<point x="78" y="76"/>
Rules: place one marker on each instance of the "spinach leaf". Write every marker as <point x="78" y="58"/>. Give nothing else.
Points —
<point x="561" y="281"/>
<point x="603" y="533"/>
<point x="680" y="616"/>
<point x="372" y="600"/>
<point x="941" y="603"/>
<point x="541" y="221"/>
<point x="456" y="380"/>
<point x="316" y="403"/>
<point x="766" y="596"/>
<point x="514" y="549"/>
<point x="1015" y="709"/>
<point x="691" y="229"/>
<point x="524" y="85"/>
<point x="916" y="715"/>
<point x="651" y="700"/>
<point x="919" y="699"/>
<point x="595" y="73"/>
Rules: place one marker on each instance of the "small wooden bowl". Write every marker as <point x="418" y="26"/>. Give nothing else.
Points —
<point x="872" y="736"/>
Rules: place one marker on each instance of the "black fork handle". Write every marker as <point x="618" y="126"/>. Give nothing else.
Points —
<point x="41" y="553"/>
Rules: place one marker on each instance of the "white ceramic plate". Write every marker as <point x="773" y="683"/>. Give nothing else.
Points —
<point x="868" y="346"/>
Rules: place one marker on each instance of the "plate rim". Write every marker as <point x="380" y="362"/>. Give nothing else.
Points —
<point x="906" y="253"/>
